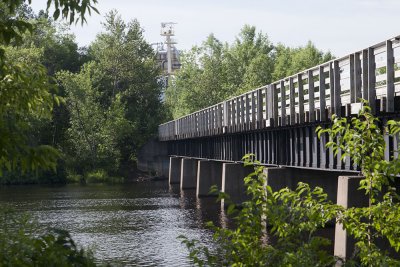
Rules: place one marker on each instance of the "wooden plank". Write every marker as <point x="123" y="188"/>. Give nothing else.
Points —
<point x="322" y="150"/>
<point x="322" y="90"/>
<point x="301" y="97"/>
<point x="301" y="146"/>
<point x="292" y="143"/>
<point x="353" y="89"/>
<point x="314" y="147"/>
<point x="237" y="111"/>
<point x="389" y="77"/>
<point x="332" y="88"/>
<point x="274" y="104"/>
<point x="357" y="77"/>
<point x="233" y="115"/>
<point x="269" y="147"/>
<point x="337" y="89"/>
<point x="365" y="74"/>
<point x="292" y="104"/>
<point x="260" y="108"/>
<point x="283" y="104"/>
<point x="311" y="95"/>
<point x="296" y="147"/>
<point x="268" y="103"/>
<point x="242" y="112"/>
<point x="371" y="80"/>
<point x="307" y="147"/>
<point x="253" y="111"/>
<point x="248" y="108"/>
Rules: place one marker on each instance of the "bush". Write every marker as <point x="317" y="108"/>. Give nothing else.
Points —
<point x="22" y="245"/>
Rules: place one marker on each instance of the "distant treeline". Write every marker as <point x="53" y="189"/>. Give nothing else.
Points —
<point x="108" y="95"/>
<point x="216" y="71"/>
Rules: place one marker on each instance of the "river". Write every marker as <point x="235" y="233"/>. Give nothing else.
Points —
<point x="133" y="224"/>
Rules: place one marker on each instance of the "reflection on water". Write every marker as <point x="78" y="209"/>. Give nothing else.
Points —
<point x="133" y="224"/>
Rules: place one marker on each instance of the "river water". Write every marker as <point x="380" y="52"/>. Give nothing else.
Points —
<point x="126" y="225"/>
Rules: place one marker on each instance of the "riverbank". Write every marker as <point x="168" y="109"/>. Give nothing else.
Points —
<point x="94" y="177"/>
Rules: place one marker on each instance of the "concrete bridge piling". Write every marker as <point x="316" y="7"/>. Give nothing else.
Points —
<point x="209" y="173"/>
<point x="200" y="174"/>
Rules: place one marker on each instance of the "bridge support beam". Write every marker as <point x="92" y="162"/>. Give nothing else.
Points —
<point x="188" y="173"/>
<point x="175" y="170"/>
<point x="279" y="178"/>
<point x="233" y="175"/>
<point x="348" y="196"/>
<point x="209" y="173"/>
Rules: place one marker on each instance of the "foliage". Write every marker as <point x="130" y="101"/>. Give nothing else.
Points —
<point x="293" y="217"/>
<point x="26" y="95"/>
<point x="215" y="71"/>
<point x="12" y="26"/>
<point x="113" y="102"/>
<point x="26" y="92"/>
<point x="289" y="61"/>
<point x="93" y="128"/>
<point x="20" y="245"/>
<point x="101" y="176"/>
<point x="362" y="140"/>
<point x="129" y="75"/>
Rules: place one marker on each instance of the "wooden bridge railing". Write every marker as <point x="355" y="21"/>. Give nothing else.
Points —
<point x="313" y="95"/>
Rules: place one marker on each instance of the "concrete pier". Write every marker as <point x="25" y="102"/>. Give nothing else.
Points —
<point x="175" y="170"/>
<point x="279" y="178"/>
<point x="188" y="173"/>
<point x="233" y="175"/>
<point x="348" y="196"/>
<point x="209" y="173"/>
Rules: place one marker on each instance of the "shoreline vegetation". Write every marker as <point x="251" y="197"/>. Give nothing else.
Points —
<point x="93" y="177"/>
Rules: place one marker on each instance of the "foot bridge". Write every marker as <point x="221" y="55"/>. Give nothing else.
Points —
<point x="278" y="122"/>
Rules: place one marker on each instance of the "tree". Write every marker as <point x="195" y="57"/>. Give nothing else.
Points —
<point x="215" y="71"/>
<point x="129" y="70"/>
<point x="25" y="89"/>
<point x="93" y="129"/>
<point x="249" y="61"/>
<point x="289" y="61"/>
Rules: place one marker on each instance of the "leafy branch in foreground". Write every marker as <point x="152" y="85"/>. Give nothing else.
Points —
<point x="20" y="245"/>
<point x="362" y="139"/>
<point x="26" y="92"/>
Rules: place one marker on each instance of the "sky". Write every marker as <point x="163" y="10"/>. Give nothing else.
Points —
<point x="339" y="26"/>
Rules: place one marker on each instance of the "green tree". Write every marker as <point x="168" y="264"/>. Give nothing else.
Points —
<point x="215" y="71"/>
<point x="25" y="89"/>
<point x="249" y="61"/>
<point x="202" y="80"/>
<point x="289" y="61"/>
<point x="94" y="129"/>
<point x="129" y="70"/>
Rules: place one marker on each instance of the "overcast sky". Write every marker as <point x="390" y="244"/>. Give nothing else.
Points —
<point x="341" y="26"/>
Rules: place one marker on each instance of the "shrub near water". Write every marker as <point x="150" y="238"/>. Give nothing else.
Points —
<point x="20" y="244"/>
<point x="97" y="176"/>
